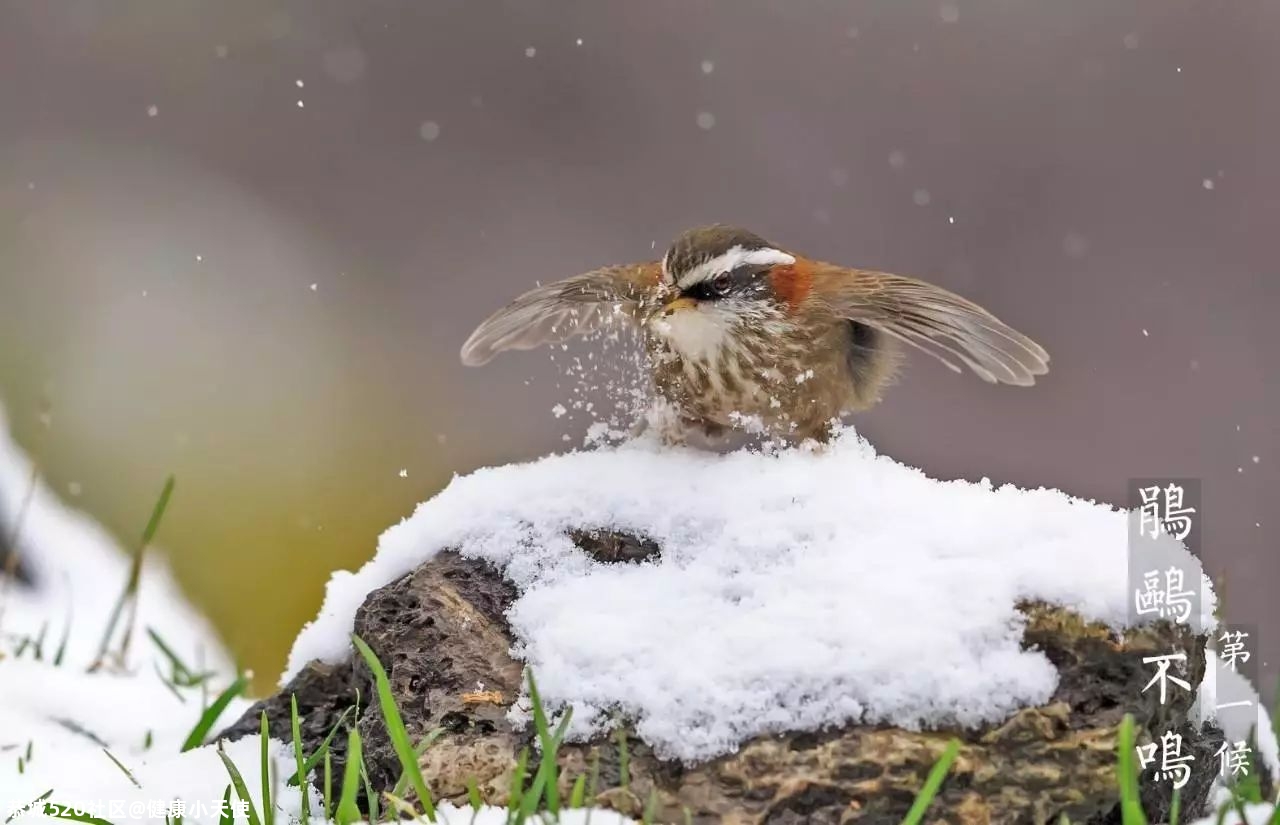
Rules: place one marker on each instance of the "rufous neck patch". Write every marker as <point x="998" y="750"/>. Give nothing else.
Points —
<point x="792" y="283"/>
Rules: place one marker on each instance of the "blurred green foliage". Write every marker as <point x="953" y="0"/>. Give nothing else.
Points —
<point x="253" y="530"/>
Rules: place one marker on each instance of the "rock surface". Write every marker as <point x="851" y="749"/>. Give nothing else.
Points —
<point x="440" y="632"/>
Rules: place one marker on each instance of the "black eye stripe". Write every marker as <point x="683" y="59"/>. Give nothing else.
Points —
<point x="739" y="279"/>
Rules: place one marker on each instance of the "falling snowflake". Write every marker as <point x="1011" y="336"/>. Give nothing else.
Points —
<point x="706" y="120"/>
<point x="1075" y="245"/>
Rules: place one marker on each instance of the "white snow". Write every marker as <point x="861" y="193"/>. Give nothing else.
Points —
<point x="796" y="590"/>
<point x="68" y="717"/>
<point x="1257" y="814"/>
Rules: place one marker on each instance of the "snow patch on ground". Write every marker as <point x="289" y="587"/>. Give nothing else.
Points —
<point x="1257" y="814"/>
<point x="796" y="590"/>
<point x="61" y="721"/>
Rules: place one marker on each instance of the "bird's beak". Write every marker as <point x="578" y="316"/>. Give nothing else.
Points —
<point x="672" y="307"/>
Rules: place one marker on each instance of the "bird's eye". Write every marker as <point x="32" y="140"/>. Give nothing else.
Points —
<point x="721" y="284"/>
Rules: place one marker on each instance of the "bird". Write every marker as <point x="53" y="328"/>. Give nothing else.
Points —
<point x="743" y="333"/>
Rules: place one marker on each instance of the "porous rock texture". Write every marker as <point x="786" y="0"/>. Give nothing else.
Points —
<point x="441" y="633"/>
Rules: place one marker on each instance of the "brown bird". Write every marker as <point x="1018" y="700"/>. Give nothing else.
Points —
<point x="741" y="332"/>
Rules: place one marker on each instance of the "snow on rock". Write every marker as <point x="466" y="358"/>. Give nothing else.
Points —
<point x="78" y="573"/>
<point x="796" y="589"/>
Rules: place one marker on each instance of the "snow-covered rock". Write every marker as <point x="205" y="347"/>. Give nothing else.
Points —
<point x="795" y="590"/>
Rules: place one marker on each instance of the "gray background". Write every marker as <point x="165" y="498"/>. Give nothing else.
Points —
<point x="1110" y="166"/>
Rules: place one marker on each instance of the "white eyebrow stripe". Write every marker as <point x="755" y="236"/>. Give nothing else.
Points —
<point x="728" y="261"/>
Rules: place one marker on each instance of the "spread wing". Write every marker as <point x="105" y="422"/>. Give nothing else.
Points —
<point x="938" y="322"/>
<point x="556" y="312"/>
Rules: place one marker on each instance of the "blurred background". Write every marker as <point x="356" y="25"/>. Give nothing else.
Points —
<point x="241" y="242"/>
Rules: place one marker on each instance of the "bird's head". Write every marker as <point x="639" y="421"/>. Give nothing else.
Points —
<point x="718" y="280"/>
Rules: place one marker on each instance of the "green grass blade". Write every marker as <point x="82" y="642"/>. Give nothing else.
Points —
<point x="547" y="766"/>
<point x="168" y="683"/>
<point x="295" y="728"/>
<point x="61" y="652"/>
<point x="227" y="818"/>
<point x="518" y="776"/>
<point x="473" y="794"/>
<point x="237" y="782"/>
<point x="119" y="765"/>
<point x="1223" y="810"/>
<point x="1175" y="807"/>
<point x="264" y="740"/>
<point x="327" y="802"/>
<point x="402" y="808"/>
<point x="347" y="812"/>
<point x="423" y="747"/>
<point x="650" y="807"/>
<point x="1131" y="812"/>
<point x="395" y="728"/>
<point x="624" y="759"/>
<point x="210" y="716"/>
<point x="594" y="781"/>
<point x="38" y="647"/>
<point x="130" y="592"/>
<point x="932" y="783"/>
<point x="180" y="674"/>
<point x="579" y="793"/>
<point x="176" y="665"/>
<point x="540" y="791"/>
<point x="30" y="806"/>
<point x="314" y="759"/>
<point x="370" y="797"/>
